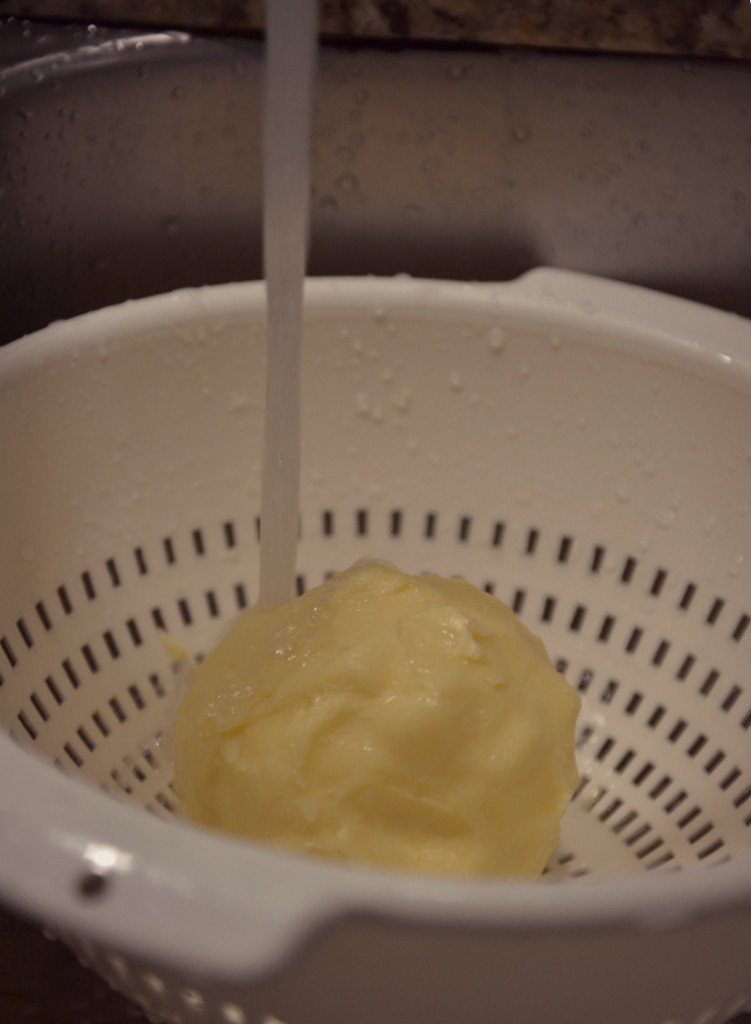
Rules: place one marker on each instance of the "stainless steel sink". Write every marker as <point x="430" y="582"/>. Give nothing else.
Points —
<point x="130" y="165"/>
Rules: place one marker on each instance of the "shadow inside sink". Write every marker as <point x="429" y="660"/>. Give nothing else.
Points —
<point x="131" y="166"/>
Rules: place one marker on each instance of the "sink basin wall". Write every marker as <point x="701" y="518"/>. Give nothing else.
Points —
<point x="131" y="166"/>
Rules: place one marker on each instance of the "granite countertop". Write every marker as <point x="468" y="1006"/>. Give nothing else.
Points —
<point x="712" y="28"/>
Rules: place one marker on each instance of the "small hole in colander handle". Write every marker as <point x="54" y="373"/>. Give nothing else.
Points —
<point x="92" y="885"/>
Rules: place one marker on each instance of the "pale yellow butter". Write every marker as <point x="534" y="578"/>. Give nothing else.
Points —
<point x="408" y="722"/>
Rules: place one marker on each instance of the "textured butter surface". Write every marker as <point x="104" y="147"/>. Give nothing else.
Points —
<point x="400" y="721"/>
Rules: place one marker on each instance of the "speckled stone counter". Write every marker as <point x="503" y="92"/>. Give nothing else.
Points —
<point x="715" y="28"/>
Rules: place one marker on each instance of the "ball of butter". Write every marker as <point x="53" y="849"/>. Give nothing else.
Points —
<point x="408" y="722"/>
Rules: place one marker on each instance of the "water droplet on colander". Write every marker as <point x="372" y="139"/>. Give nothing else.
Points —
<point x="362" y="404"/>
<point x="522" y="132"/>
<point x="709" y="524"/>
<point x="622" y="492"/>
<point x="649" y="468"/>
<point x="736" y="566"/>
<point x="345" y="154"/>
<point x="496" y="339"/>
<point x="512" y="432"/>
<point x="456" y="380"/>
<point x="360" y="96"/>
<point x="379" y="313"/>
<point x="239" y="403"/>
<point x="403" y="400"/>
<point x="178" y="93"/>
<point x="456" y="72"/>
<point x="664" y="518"/>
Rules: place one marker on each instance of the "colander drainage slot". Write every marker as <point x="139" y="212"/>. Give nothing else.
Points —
<point x="8" y="651"/>
<point x="741" y="627"/>
<point x="44" y="618"/>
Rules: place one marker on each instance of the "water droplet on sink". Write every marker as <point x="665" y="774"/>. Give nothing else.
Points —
<point x="328" y="204"/>
<point x="170" y="225"/>
<point x="347" y="182"/>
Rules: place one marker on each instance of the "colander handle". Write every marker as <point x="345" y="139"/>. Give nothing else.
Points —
<point x="187" y="898"/>
<point x="684" y="324"/>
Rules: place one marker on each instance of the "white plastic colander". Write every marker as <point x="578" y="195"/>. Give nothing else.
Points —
<point x="580" y="448"/>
